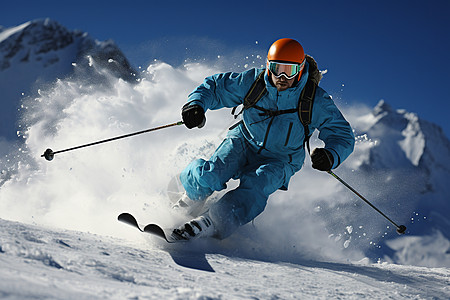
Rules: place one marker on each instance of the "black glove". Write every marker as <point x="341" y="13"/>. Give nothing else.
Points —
<point x="193" y="116"/>
<point x="322" y="159"/>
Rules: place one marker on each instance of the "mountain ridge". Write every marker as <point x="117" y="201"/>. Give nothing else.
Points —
<point x="40" y="51"/>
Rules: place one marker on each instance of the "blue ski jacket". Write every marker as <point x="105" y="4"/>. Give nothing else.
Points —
<point x="282" y="136"/>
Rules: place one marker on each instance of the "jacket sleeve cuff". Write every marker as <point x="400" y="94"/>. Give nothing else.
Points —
<point x="337" y="159"/>
<point x="194" y="102"/>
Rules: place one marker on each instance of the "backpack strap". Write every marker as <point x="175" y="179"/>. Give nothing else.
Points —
<point x="256" y="91"/>
<point x="305" y="106"/>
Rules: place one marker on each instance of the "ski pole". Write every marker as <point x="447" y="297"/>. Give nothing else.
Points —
<point x="400" y="229"/>
<point x="49" y="153"/>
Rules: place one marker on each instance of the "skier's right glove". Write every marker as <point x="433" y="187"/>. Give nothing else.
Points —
<point x="322" y="159"/>
<point x="193" y="116"/>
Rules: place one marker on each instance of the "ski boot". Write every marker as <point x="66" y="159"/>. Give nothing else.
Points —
<point x="201" y="226"/>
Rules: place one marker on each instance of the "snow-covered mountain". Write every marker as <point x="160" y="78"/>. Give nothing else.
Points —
<point x="40" y="51"/>
<point x="401" y="164"/>
<point x="406" y="161"/>
<point x="421" y="150"/>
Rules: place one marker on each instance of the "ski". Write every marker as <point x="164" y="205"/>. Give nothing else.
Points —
<point x="153" y="229"/>
<point x="165" y="234"/>
<point x="130" y="220"/>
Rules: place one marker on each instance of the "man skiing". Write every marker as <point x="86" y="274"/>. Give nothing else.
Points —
<point x="266" y="148"/>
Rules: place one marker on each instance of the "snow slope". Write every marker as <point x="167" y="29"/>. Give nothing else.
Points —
<point x="40" y="263"/>
<point x="326" y="243"/>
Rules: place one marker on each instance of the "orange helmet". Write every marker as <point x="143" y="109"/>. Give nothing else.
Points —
<point x="286" y="51"/>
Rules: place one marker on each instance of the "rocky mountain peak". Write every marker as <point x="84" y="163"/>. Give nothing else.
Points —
<point x="47" y="43"/>
<point x="381" y="107"/>
<point x="40" y="51"/>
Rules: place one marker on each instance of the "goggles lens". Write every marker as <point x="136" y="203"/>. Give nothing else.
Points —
<point x="288" y="70"/>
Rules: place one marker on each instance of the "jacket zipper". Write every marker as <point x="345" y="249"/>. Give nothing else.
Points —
<point x="266" y="136"/>
<point x="289" y="134"/>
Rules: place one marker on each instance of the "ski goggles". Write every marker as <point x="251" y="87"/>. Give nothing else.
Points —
<point x="288" y="70"/>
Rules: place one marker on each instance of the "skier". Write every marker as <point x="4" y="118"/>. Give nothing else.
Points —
<point x="266" y="148"/>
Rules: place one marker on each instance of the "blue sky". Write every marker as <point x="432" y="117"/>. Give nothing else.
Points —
<point x="392" y="50"/>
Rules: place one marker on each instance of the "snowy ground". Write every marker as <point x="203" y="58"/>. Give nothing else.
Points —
<point x="41" y="263"/>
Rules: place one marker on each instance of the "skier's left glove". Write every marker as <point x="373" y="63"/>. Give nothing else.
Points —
<point x="193" y="116"/>
<point x="322" y="159"/>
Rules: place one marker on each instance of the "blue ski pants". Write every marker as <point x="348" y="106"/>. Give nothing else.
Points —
<point x="259" y="176"/>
